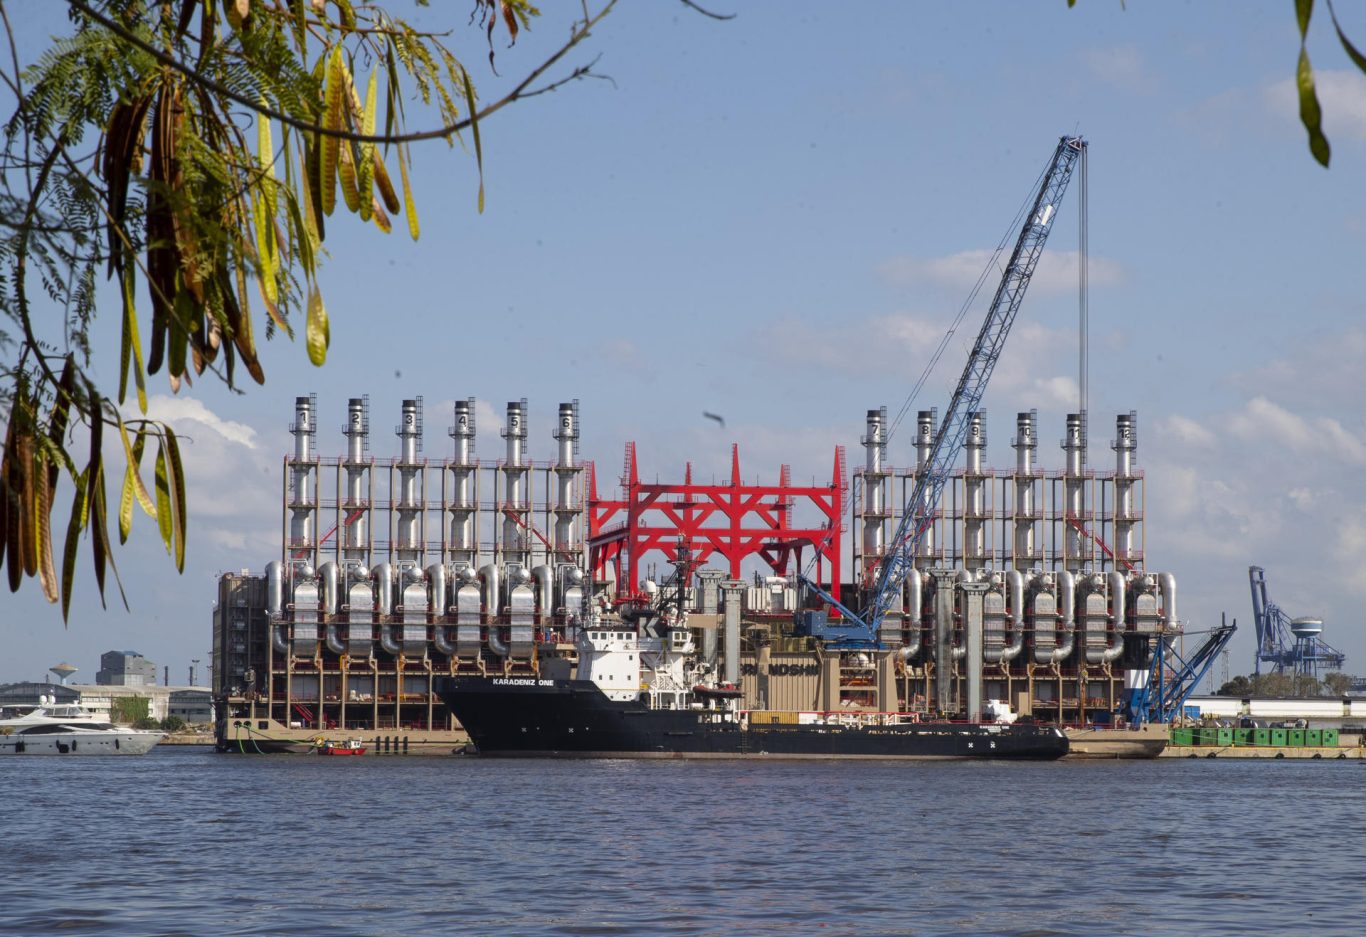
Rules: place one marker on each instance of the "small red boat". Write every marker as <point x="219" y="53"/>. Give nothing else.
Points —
<point x="348" y="747"/>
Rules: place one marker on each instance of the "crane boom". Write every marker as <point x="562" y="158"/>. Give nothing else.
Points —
<point x="919" y="510"/>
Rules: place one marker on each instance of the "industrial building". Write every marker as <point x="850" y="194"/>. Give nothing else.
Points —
<point x="1029" y="584"/>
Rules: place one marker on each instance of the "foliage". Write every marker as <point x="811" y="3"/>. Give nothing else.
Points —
<point x="1338" y="683"/>
<point x="1287" y="685"/>
<point x="191" y="152"/>
<point x="147" y="722"/>
<point x="129" y="709"/>
<point x="172" y="724"/>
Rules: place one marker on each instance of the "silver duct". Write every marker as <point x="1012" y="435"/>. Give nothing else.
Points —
<point x="1074" y="483"/>
<point x="1125" y="445"/>
<point x="514" y="540"/>
<point x="566" y="508"/>
<point x="305" y="639"/>
<point x="437" y="602"/>
<point x="521" y="602"/>
<point x="974" y="487"/>
<point x="302" y="499"/>
<point x="945" y="586"/>
<point x="360" y="612"/>
<point x="410" y="472"/>
<point x="1117" y="589"/>
<point x="328" y="575"/>
<point x="465" y="588"/>
<point x="1093" y="616"/>
<point x="1067" y="597"/>
<point x="1043" y="616"/>
<point x="356" y="507"/>
<point x="924" y="445"/>
<point x="275" y="605"/>
<point x="875" y="447"/>
<point x="1166" y="583"/>
<point x="414" y="637"/>
<point x="491" y="594"/>
<point x="973" y="595"/>
<point x="463" y="548"/>
<point x="1025" y="443"/>
<point x="544" y="578"/>
<point x="915" y="624"/>
<point x="1015" y="589"/>
<point x="384" y="590"/>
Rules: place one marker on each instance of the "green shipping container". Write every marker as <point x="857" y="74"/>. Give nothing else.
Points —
<point x="1330" y="738"/>
<point x="1313" y="737"/>
<point x="1206" y="736"/>
<point x="1296" y="737"/>
<point x="1242" y="736"/>
<point x="1223" y="737"/>
<point x="1182" y="736"/>
<point x="1278" y="738"/>
<point x="1261" y="737"/>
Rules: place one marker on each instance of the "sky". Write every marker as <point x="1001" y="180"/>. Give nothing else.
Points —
<point x="776" y="217"/>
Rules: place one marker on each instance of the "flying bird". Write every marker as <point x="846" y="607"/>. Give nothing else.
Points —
<point x="718" y="418"/>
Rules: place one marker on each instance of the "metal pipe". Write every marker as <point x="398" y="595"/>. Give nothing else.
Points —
<point x="1125" y="444"/>
<point x="328" y="576"/>
<point x="1015" y="589"/>
<point x="1025" y="443"/>
<point x="873" y="444"/>
<point x="491" y="595"/>
<point x="514" y="540"/>
<point x="1117" y="585"/>
<point x="731" y="590"/>
<point x="438" y="603"/>
<point x="463" y="504"/>
<point x="1067" y="601"/>
<point x="409" y="505"/>
<point x="355" y="538"/>
<point x="275" y="605"/>
<point x="974" y="541"/>
<point x="566" y="507"/>
<point x="301" y="471"/>
<point x="1166" y="584"/>
<point x="544" y="578"/>
<point x="915" y="624"/>
<point x="1074" y="490"/>
<point x="924" y="446"/>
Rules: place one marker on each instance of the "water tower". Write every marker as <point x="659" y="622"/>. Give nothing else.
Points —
<point x="62" y="671"/>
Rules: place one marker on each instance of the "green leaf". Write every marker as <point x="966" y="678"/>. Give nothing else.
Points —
<point x="316" y="334"/>
<point x="1303" y="10"/>
<point x="332" y="120"/>
<point x="1311" y="115"/>
<point x="73" y="542"/>
<point x="1352" y="52"/>
<point x="139" y="489"/>
<point x="177" y="493"/>
<point x="409" y="205"/>
<point x="164" y="520"/>
<point x="126" y="506"/>
<point x="474" y="128"/>
<point x="365" y="176"/>
<point x="132" y="342"/>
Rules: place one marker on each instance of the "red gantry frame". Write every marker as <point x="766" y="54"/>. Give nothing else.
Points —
<point x="731" y="520"/>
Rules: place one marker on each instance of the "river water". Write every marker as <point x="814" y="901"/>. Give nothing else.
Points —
<point x="184" y="841"/>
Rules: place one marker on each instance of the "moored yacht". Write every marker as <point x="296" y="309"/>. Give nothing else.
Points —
<point x="63" y="729"/>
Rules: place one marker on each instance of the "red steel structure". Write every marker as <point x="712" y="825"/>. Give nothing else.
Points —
<point x="731" y="520"/>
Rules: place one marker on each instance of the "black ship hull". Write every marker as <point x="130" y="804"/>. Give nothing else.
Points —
<point x="528" y="716"/>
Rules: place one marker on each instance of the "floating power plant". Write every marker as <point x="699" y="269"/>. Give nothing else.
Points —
<point x="1028" y="584"/>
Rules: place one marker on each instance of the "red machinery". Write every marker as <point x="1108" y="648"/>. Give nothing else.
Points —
<point x="732" y="520"/>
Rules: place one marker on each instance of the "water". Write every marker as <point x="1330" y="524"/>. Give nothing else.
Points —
<point x="183" y="841"/>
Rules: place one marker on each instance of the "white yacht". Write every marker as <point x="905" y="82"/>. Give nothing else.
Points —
<point x="60" y="729"/>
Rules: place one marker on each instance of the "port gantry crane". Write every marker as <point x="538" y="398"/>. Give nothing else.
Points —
<point x="1288" y="644"/>
<point x="919" y="511"/>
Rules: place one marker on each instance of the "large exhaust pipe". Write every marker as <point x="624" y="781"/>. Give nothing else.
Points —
<point x="974" y="486"/>
<point x="302" y="500"/>
<point x="875" y="448"/>
<point x="1025" y="443"/>
<point x="1067" y="602"/>
<point x="924" y="445"/>
<point x="463" y="548"/>
<point x="1074" y="483"/>
<point x="514" y="541"/>
<point x="410" y="469"/>
<point x="566" y="471"/>
<point x="356" y="508"/>
<point x="1125" y="446"/>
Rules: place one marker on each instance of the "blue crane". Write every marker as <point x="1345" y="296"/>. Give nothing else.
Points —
<point x="920" y="509"/>
<point x="1288" y="644"/>
<point x="1172" y="677"/>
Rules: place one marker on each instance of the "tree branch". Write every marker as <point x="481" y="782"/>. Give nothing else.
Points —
<point x="580" y="32"/>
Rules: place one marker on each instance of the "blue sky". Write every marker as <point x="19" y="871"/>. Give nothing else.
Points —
<point x="775" y="218"/>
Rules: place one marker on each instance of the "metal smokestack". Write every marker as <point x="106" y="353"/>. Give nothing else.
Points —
<point x="874" y="444"/>
<point x="409" y="505"/>
<point x="1025" y="443"/>
<point x="974" y="485"/>
<point x="514" y="536"/>
<point x="1125" y="446"/>
<point x="356" y="508"/>
<point x="924" y="445"/>
<point x="566" y="508"/>
<point x="462" y="507"/>
<point x="1074" y="482"/>
<point x="302" y="499"/>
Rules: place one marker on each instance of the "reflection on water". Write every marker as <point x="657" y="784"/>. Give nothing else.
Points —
<point x="184" y="841"/>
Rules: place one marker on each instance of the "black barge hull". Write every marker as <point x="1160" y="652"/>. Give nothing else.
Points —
<point x="532" y="717"/>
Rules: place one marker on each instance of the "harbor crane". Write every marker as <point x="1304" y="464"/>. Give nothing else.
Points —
<point x="1289" y="645"/>
<point x="919" y="511"/>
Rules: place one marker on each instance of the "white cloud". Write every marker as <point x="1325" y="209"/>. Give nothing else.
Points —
<point x="1262" y="420"/>
<point x="1186" y="431"/>
<point x="1121" y="66"/>
<point x="180" y="410"/>
<point x="1341" y="93"/>
<point x="957" y="273"/>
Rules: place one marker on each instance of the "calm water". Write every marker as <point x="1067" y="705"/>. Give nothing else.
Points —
<point x="183" y="841"/>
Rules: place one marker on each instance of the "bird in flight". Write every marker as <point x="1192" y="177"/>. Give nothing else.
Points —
<point x="717" y="417"/>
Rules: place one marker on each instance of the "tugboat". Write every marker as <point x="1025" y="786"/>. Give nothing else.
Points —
<point x="347" y="747"/>
<point x="641" y="693"/>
